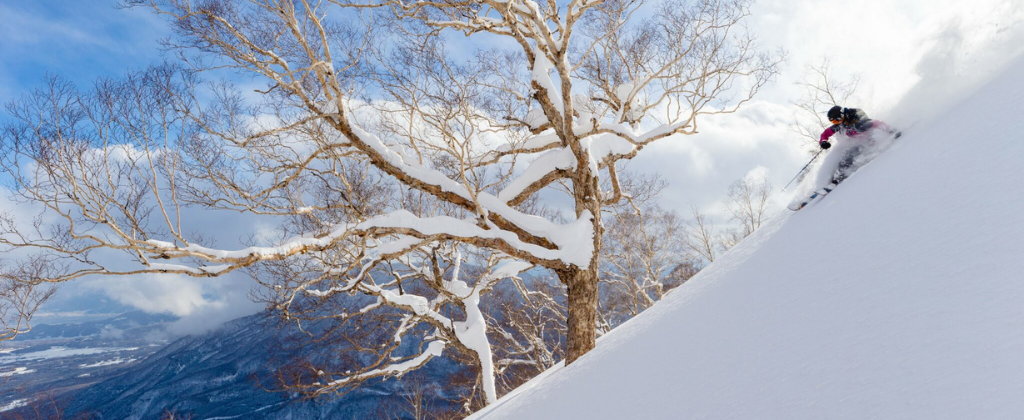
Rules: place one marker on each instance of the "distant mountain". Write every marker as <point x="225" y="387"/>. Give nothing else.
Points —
<point x="215" y="376"/>
<point x="56" y="359"/>
<point x="126" y="323"/>
<point x="74" y="301"/>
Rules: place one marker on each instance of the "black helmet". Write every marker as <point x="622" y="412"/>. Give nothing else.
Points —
<point x="835" y="114"/>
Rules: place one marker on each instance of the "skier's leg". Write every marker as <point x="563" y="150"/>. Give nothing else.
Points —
<point x="830" y="164"/>
<point x="820" y="178"/>
<point x="846" y="165"/>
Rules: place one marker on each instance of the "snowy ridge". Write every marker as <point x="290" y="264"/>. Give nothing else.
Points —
<point x="898" y="296"/>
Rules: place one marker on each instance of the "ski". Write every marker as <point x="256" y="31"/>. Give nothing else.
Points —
<point x="819" y="193"/>
<point x="799" y="205"/>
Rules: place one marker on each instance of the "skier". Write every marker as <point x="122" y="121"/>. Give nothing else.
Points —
<point x="858" y="130"/>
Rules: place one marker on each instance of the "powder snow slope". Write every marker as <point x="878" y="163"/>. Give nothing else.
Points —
<point x="900" y="296"/>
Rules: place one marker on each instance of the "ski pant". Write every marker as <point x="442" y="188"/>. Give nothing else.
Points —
<point x="839" y="163"/>
<point x="846" y="164"/>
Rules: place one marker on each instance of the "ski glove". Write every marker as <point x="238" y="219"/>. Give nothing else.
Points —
<point x="825" y="145"/>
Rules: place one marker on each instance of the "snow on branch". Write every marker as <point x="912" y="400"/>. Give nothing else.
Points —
<point x="542" y="171"/>
<point x="567" y="238"/>
<point x="433" y="349"/>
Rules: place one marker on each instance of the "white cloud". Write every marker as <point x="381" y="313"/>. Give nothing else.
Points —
<point x="203" y="304"/>
<point x="727" y="148"/>
<point x="232" y="302"/>
<point x="757" y="174"/>
<point x="155" y="293"/>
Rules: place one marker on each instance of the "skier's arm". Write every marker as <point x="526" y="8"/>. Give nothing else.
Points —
<point x="827" y="134"/>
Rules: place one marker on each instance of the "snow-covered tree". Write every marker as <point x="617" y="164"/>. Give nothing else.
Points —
<point x="641" y="251"/>
<point x="568" y="91"/>
<point x="747" y="201"/>
<point x="703" y="241"/>
<point x="644" y="251"/>
<point x="355" y="91"/>
<point x="394" y="315"/>
<point x="527" y="329"/>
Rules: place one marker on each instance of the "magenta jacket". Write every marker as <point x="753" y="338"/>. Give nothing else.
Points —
<point x="855" y="130"/>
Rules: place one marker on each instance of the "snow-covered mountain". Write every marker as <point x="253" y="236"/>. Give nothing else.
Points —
<point x="61" y="357"/>
<point x="899" y="296"/>
<point x="219" y="375"/>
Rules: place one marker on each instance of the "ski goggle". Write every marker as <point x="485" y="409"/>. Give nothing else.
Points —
<point x="836" y="121"/>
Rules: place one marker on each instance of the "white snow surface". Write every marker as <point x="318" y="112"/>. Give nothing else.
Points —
<point x="16" y="371"/>
<point x="55" y="353"/>
<point x="14" y="404"/>
<point x="111" y="362"/>
<point x="898" y="296"/>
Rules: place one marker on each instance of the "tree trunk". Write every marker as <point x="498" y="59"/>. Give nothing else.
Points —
<point x="581" y="321"/>
<point x="582" y="318"/>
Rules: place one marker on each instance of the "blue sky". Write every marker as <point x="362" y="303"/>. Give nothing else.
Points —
<point x="915" y="58"/>
<point x="80" y="40"/>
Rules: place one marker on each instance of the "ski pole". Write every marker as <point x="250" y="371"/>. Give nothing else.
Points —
<point x="802" y="169"/>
